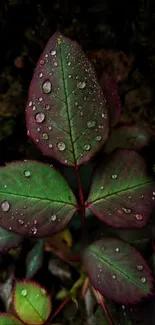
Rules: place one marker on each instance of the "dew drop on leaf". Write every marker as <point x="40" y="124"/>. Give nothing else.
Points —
<point x="87" y="147"/>
<point x="143" y="279"/>
<point x="24" y="292"/>
<point x="98" y="138"/>
<point x="47" y="87"/>
<point x="53" y="217"/>
<point x="45" y="136"/>
<point x="50" y="145"/>
<point x="126" y="210"/>
<point x="39" y="117"/>
<point x="53" y="52"/>
<point x="21" y="221"/>
<point x="114" y="176"/>
<point x="5" y="206"/>
<point x="91" y="124"/>
<point x="102" y="187"/>
<point x="117" y="249"/>
<point x="40" y="75"/>
<point x="61" y="146"/>
<point x="139" y="217"/>
<point x="30" y="103"/>
<point x="27" y="173"/>
<point x="55" y="64"/>
<point x="81" y="84"/>
<point x="140" y="267"/>
<point x="47" y="106"/>
<point x="34" y="230"/>
<point x="114" y="276"/>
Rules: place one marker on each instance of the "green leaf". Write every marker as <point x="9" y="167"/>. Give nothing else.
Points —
<point x="102" y="319"/>
<point x="67" y="114"/>
<point x="6" y="319"/>
<point x="8" y="239"/>
<point x="31" y="302"/>
<point x="122" y="193"/>
<point x="118" y="271"/>
<point x="125" y="316"/>
<point x="35" y="199"/>
<point x="34" y="259"/>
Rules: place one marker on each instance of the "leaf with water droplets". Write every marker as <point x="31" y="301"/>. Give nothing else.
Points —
<point x="31" y="302"/>
<point x="110" y="90"/>
<point x="34" y="259"/>
<point x="126" y="199"/>
<point x="9" y="239"/>
<point x="8" y="319"/>
<point x="67" y="114"/>
<point x="35" y="200"/>
<point x="121" y="275"/>
<point x="128" y="137"/>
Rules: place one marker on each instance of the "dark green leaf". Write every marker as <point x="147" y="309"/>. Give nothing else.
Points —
<point x="67" y="114"/>
<point x="34" y="259"/>
<point x="118" y="271"/>
<point x="8" y="239"/>
<point x="122" y="194"/>
<point x="34" y="199"/>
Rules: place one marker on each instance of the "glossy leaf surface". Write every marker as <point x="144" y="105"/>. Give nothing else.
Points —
<point x="66" y="111"/>
<point x="128" y="137"/>
<point x="31" y="302"/>
<point x="110" y="90"/>
<point x="8" y="239"/>
<point x="118" y="271"/>
<point x="34" y="259"/>
<point x="6" y="319"/>
<point x="122" y="194"/>
<point x="34" y="199"/>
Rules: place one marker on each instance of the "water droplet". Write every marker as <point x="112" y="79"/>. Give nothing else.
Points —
<point x="142" y="196"/>
<point x="143" y="279"/>
<point x="153" y="193"/>
<point x="69" y="63"/>
<point x="114" y="176"/>
<point x="53" y="217"/>
<point x="34" y="230"/>
<point x="30" y="103"/>
<point x="40" y="75"/>
<point x="40" y="99"/>
<point x="47" y="106"/>
<point x="50" y="145"/>
<point x="5" y="206"/>
<point x="27" y="173"/>
<point x="43" y="291"/>
<point x="104" y="115"/>
<point x="140" y="267"/>
<point x="117" y="249"/>
<point x="24" y="292"/>
<point x="21" y="221"/>
<point x="34" y="108"/>
<point x="42" y="62"/>
<point x="47" y="87"/>
<point x="53" y="52"/>
<point x="86" y="147"/>
<point x="102" y="187"/>
<point x="35" y="222"/>
<point x="114" y="276"/>
<point x="81" y="84"/>
<point x="126" y="210"/>
<point x="61" y="146"/>
<point x="69" y="76"/>
<point x="49" y="128"/>
<point x="38" y="129"/>
<point x="123" y="307"/>
<point x="5" y="186"/>
<point x="55" y="64"/>
<point x="91" y="124"/>
<point x="139" y="217"/>
<point x="45" y="136"/>
<point x="39" y="117"/>
<point x="98" y="138"/>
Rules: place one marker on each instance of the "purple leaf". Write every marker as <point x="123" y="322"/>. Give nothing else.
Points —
<point x="118" y="271"/>
<point x="128" y="137"/>
<point x="35" y="200"/>
<point x="110" y="90"/>
<point x="122" y="194"/>
<point x="67" y="115"/>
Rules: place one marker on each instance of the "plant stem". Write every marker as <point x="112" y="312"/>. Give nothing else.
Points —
<point x="81" y="197"/>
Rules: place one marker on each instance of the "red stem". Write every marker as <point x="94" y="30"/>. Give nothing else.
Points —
<point x="62" y="305"/>
<point x="81" y="201"/>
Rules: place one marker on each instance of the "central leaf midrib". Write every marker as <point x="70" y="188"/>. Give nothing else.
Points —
<point x="67" y="109"/>
<point x="36" y="197"/>
<point x="103" y="260"/>
<point x="120" y="191"/>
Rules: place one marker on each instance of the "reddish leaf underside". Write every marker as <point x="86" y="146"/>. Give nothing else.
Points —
<point x="122" y="194"/>
<point x="110" y="90"/>
<point x="35" y="200"/>
<point x="118" y="271"/>
<point x="66" y="112"/>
